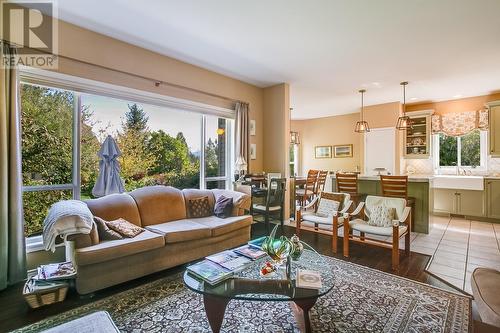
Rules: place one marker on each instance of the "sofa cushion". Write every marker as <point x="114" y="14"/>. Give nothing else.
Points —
<point x="485" y="283"/>
<point x="115" y="206"/>
<point x="223" y="207"/>
<point x="125" y="228"/>
<point x="180" y="231"/>
<point x="113" y="249"/>
<point x="191" y="193"/>
<point x="159" y="204"/>
<point x="105" y="233"/>
<point x="199" y="207"/>
<point x="241" y="201"/>
<point x="220" y="226"/>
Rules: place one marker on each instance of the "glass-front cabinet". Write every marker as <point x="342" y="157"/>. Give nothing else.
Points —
<point x="417" y="140"/>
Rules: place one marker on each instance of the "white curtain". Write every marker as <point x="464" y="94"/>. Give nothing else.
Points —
<point x="242" y="133"/>
<point x="12" y="242"/>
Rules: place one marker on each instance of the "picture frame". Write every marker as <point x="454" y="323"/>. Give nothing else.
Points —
<point x="252" y="127"/>
<point x="323" y="152"/>
<point x="342" y="151"/>
<point x="253" y="151"/>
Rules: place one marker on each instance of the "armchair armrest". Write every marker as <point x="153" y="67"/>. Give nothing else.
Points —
<point x="311" y="204"/>
<point x="359" y="210"/>
<point x="404" y="217"/>
<point x="346" y="208"/>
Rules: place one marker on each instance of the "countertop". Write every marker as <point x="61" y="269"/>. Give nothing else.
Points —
<point x="411" y="178"/>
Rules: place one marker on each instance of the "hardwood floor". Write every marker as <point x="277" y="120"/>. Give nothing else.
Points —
<point x="15" y="313"/>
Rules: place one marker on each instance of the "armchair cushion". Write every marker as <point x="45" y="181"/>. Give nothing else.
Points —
<point x="315" y="218"/>
<point x="363" y="226"/>
<point x="327" y="207"/>
<point x="381" y="216"/>
<point x="373" y="201"/>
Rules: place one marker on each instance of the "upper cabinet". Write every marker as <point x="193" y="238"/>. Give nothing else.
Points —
<point x="417" y="140"/>
<point x="494" y="128"/>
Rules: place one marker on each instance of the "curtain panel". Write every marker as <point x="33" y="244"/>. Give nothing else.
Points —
<point x="12" y="241"/>
<point x="460" y="123"/>
<point x="242" y="133"/>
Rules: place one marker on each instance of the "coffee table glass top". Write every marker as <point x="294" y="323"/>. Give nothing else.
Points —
<point x="248" y="284"/>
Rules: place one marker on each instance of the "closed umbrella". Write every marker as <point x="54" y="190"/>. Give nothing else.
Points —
<point x="108" y="180"/>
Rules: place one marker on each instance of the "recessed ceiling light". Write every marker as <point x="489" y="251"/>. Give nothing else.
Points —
<point x="376" y="84"/>
<point x="413" y="98"/>
<point x="457" y="96"/>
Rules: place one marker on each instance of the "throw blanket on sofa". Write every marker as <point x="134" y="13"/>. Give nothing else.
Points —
<point x="66" y="218"/>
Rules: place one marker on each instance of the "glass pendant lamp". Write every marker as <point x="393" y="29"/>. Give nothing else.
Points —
<point x="362" y="125"/>
<point x="404" y="122"/>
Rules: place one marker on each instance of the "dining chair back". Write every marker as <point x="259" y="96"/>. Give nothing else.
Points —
<point x="272" y="175"/>
<point x="347" y="183"/>
<point x="320" y="182"/>
<point x="394" y="186"/>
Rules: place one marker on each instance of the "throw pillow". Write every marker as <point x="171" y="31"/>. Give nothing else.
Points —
<point x="124" y="228"/>
<point x="223" y="207"/>
<point x="329" y="203"/>
<point x="104" y="232"/>
<point x="381" y="216"/>
<point x="199" y="207"/>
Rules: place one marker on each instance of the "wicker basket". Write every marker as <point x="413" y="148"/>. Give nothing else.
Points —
<point x="47" y="296"/>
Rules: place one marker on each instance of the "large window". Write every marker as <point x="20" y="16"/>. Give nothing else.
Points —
<point x="62" y="131"/>
<point x="464" y="151"/>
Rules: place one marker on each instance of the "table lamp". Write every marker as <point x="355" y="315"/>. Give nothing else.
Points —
<point x="239" y="166"/>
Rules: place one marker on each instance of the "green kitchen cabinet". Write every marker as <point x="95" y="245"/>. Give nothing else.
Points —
<point x="494" y="128"/>
<point x="444" y="201"/>
<point x="459" y="202"/>
<point x="493" y="198"/>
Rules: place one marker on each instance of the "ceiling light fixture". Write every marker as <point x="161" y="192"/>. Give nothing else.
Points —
<point x="362" y="125"/>
<point x="404" y="122"/>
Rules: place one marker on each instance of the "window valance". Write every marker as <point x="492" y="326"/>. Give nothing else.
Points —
<point x="460" y="123"/>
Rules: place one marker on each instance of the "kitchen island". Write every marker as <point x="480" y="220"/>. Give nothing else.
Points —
<point x="418" y="188"/>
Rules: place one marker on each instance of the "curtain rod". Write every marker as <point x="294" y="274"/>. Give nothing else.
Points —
<point x="156" y="82"/>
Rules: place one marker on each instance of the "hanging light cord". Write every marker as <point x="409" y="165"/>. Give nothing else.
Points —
<point x="362" y="91"/>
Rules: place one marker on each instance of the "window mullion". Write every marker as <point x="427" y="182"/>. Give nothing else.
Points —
<point x="459" y="151"/>
<point x="76" y="135"/>
<point x="202" y="152"/>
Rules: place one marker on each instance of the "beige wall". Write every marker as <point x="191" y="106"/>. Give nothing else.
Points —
<point x="456" y="105"/>
<point x="327" y="131"/>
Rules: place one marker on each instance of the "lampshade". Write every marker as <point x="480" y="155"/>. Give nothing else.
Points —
<point x="240" y="164"/>
<point x="404" y="122"/>
<point x="294" y="138"/>
<point x="362" y="125"/>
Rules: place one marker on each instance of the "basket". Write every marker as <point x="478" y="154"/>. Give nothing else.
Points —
<point x="41" y="297"/>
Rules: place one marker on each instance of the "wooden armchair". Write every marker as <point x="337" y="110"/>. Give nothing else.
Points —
<point x="401" y="226"/>
<point x="324" y="218"/>
<point x="304" y="194"/>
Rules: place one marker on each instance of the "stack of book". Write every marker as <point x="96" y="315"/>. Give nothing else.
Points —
<point x="51" y="276"/>
<point x="220" y="266"/>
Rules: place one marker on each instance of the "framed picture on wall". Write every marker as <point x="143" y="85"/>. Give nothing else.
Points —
<point x="252" y="127"/>
<point x="323" y="152"/>
<point x="342" y="151"/>
<point x="253" y="151"/>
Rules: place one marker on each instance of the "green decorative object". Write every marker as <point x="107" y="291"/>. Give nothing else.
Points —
<point x="297" y="248"/>
<point x="277" y="248"/>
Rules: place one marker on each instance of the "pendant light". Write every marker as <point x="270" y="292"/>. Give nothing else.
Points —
<point x="362" y="125"/>
<point x="404" y="122"/>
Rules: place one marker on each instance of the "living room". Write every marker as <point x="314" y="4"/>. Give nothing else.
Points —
<point x="138" y="139"/>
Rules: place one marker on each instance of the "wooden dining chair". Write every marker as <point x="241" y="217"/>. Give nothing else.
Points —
<point x="397" y="187"/>
<point x="348" y="183"/>
<point x="275" y="202"/>
<point x="320" y="182"/>
<point x="304" y="194"/>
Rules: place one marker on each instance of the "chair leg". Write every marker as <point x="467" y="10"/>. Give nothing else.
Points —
<point x="395" y="248"/>
<point x="335" y="233"/>
<point x="298" y="218"/>
<point x="407" y="244"/>
<point x="281" y="219"/>
<point x="346" y="238"/>
<point x="362" y="236"/>
<point x="266" y="221"/>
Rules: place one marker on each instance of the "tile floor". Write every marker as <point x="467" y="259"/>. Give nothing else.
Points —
<point x="457" y="247"/>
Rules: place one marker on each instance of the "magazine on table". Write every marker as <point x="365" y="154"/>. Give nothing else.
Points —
<point x="209" y="271"/>
<point x="230" y="260"/>
<point x="257" y="243"/>
<point x="308" y="279"/>
<point x="57" y="271"/>
<point x="250" y="252"/>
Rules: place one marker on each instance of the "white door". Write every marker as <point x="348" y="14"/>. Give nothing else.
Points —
<point x="380" y="150"/>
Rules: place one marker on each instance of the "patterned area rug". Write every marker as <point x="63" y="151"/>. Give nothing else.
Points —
<point x="362" y="299"/>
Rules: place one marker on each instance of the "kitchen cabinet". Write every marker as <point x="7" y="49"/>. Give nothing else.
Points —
<point x="493" y="198"/>
<point x="460" y="202"/>
<point x="494" y="128"/>
<point x="417" y="139"/>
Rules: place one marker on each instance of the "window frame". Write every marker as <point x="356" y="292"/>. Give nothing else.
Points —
<point x="77" y="86"/>
<point x="483" y="153"/>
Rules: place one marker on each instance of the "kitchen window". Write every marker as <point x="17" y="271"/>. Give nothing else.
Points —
<point x="466" y="151"/>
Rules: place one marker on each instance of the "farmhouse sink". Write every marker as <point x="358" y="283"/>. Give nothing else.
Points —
<point x="475" y="183"/>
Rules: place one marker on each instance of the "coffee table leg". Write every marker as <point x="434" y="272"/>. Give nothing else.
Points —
<point x="301" y="309"/>
<point x="215" y="308"/>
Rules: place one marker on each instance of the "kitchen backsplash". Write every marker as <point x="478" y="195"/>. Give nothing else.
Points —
<point x="426" y="166"/>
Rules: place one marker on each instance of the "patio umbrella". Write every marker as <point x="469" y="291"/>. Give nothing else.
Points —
<point x="108" y="180"/>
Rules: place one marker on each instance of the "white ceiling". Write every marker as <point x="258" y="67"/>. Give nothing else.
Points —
<point x="325" y="49"/>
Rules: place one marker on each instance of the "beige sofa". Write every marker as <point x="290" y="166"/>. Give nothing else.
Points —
<point x="171" y="238"/>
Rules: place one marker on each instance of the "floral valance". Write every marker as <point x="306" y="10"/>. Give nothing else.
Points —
<point x="460" y="123"/>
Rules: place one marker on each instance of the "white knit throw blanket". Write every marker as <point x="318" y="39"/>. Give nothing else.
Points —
<point x="66" y="218"/>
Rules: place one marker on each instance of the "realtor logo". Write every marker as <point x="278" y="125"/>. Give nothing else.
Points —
<point x="31" y="29"/>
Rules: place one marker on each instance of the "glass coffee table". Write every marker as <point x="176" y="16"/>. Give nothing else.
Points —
<point x="249" y="285"/>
